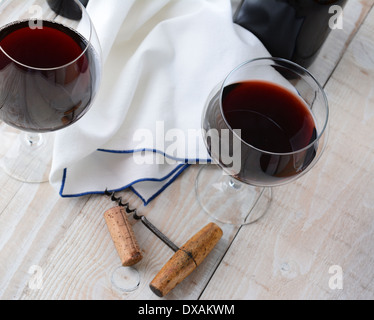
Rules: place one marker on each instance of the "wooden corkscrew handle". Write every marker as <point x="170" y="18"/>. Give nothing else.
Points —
<point x="123" y="236"/>
<point x="186" y="259"/>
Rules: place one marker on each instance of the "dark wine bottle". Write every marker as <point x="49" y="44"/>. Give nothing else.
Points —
<point x="67" y="8"/>
<point x="290" y="29"/>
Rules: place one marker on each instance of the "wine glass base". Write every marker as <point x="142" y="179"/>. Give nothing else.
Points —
<point x="230" y="201"/>
<point x="126" y="279"/>
<point x="29" y="156"/>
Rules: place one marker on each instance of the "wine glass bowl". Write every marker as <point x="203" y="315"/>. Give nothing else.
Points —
<point x="50" y="74"/>
<point x="271" y="116"/>
<point x="50" y="70"/>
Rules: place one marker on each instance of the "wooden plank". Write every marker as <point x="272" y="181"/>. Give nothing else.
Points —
<point x="339" y="39"/>
<point x="30" y="226"/>
<point x="84" y="259"/>
<point x="68" y="240"/>
<point x="326" y="218"/>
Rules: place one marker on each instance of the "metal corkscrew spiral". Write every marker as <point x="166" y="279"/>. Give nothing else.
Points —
<point x="118" y="200"/>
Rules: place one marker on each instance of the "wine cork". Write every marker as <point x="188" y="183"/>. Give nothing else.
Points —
<point x="123" y="236"/>
<point x="186" y="260"/>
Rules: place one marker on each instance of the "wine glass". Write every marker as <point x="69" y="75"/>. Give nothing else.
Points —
<point x="50" y="70"/>
<point x="265" y="125"/>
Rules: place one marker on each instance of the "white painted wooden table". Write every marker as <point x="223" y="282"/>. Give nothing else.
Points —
<point x="324" y="220"/>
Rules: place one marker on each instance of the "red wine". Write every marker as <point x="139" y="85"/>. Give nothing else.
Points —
<point x="270" y="118"/>
<point x="48" y="76"/>
<point x="278" y="131"/>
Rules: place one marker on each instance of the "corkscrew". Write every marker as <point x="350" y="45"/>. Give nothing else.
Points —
<point x="185" y="259"/>
<point x="143" y="219"/>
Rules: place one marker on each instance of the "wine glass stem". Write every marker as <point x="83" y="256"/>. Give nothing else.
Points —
<point x="234" y="184"/>
<point x="32" y="139"/>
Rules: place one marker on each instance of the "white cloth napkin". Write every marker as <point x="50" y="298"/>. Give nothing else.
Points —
<point x="162" y="59"/>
